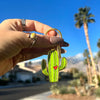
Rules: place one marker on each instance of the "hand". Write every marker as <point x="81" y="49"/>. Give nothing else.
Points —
<point x="15" y="44"/>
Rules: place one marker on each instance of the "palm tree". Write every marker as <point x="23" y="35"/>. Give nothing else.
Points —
<point x="98" y="54"/>
<point x="98" y="43"/>
<point x="87" y="61"/>
<point x="83" y="18"/>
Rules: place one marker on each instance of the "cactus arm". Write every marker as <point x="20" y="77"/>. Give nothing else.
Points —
<point x="44" y="67"/>
<point x="63" y="63"/>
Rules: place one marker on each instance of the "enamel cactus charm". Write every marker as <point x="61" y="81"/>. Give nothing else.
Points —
<point x="54" y="66"/>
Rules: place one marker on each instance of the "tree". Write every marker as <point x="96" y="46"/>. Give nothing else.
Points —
<point x="98" y="54"/>
<point x="84" y="18"/>
<point x="87" y="61"/>
<point x="98" y="45"/>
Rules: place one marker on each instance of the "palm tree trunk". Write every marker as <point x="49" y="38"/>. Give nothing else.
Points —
<point x="90" y="52"/>
<point x="89" y="69"/>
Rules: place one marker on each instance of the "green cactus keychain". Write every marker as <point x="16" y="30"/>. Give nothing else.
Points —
<point x="54" y="63"/>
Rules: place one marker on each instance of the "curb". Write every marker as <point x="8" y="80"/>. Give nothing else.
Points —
<point x="42" y="96"/>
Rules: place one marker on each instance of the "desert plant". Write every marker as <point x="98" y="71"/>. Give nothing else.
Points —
<point x="80" y="74"/>
<point x="88" y="62"/>
<point x="66" y="90"/>
<point x="75" y="82"/>
<point x="99" y="79"/>
<point x="4" y="82"/>
<point x="98" y="43"/>
<point x="20" y="81"/>
<point x="27" y="81"/>
<point x="74" y="70"/>
<point x="66" y="75"/>
<point x="54" y="89"/>
<point x="97" y="92"/>
<point x="61" y="89"/>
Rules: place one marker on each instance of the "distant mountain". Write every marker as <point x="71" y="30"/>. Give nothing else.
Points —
<point x="74" y="61"/>
<point x="36" y="62"/>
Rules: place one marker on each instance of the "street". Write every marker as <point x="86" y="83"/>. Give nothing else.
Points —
<point x="22" y="92"/>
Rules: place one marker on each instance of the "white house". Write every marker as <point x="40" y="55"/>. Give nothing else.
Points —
<point x="23" y="75"/>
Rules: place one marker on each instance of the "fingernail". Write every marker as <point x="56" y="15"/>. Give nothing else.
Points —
<point x="65" y="44"/>
<point x="63" y="50"/>
<point x="56" y="40"/>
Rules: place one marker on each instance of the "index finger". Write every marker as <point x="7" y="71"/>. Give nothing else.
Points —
<point x="32" y="25"/>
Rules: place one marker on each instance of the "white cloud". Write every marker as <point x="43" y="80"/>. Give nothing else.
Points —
<point x="94" y="53"/>
<point x="79" y="55"/>
<point x="38" y="60"/>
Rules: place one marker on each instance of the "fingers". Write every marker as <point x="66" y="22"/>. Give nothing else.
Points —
<point x="30" y="53"/>
<point x="32" y="25"/>
<point x="42" y="41"/>
<point x="47" y="41"/>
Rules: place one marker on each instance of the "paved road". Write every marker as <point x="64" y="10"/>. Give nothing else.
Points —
<point x="22" y="92"/>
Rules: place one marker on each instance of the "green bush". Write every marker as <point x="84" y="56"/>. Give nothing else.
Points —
<point x="37" y="79"/>
<point x="66" y="75"/>
<point x="74" y="70"/>
<point x="97" y="92"/>
<point x="75" y="82"/>
<point x="80" y="74"/>
<point x="4" y="82"/>
<point x="99" y="79"/>
<point x="66" y="90"/>
<point x="20" y="81"/>
<point x="56" y="89"/>
<point x="27" y="81"/>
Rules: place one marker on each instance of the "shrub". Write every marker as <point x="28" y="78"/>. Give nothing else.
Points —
<point x="37" y="79"/>
<point x="99" y="79"/>
<point x="66" y="75"/>
<point x="66" y="90"/>
<point x="75" y="82"/>
<point x="20" y="81"/>
<point x="55" y="89"/>
<point x="97" y="92"/>
<point x="27" y="81"/>
<point x="4" y="82"/>
<point x="34" y="80"/>
<point x="74" y="70"/>
<point x="80" y="74"/>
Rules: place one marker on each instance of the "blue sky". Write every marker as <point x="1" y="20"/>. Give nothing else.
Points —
<point x="58" y="14"/>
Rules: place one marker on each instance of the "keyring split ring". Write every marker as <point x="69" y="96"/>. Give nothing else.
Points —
<point x="54" y="29"/>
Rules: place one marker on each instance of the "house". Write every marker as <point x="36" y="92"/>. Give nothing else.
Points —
<point x="18" y="74"/>
<point x="24" y="75"/>
<point x="34" y="67"/>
